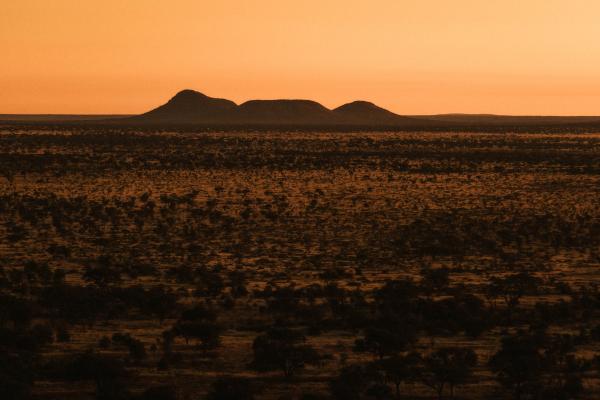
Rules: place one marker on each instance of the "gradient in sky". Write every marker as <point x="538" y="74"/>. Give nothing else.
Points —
<point x="413" y="57"/>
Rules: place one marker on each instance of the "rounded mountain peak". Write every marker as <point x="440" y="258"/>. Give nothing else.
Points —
<point x="190" y="106"/>
<point x="358" y="105"/>
<point x="188" y="95"/>
<point x="365" y="112"/>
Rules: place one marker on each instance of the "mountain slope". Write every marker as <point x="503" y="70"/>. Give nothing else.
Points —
<point x="367" y="113"/>
<point x="189" y="106"/>
<point x="284" y="112"/>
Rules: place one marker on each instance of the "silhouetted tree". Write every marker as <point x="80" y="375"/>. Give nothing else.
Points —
<point x="107" y="373"/>
<point x="207" y="333"/>
<point x="435" y="280"/>
<point x="136" y="348"/>
<point x="450" y="366"/>
<point x="351" y="383"/>
<point x="165" y="392"/>
<point x="16" y="375"/>
<point x="518" y="364"/>
<point x="382" y="341"/>
<point x="231" y="388"/>
<point x="282" y="349"/>
<point x="400" y="369"/>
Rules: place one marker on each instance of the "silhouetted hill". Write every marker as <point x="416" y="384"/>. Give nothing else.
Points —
<point x="284" y="112"/>
<point x="189" y="106"/>
<point x="367" y="113"/>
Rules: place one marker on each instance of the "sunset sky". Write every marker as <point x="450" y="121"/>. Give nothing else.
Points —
<point x="413" y="57"/>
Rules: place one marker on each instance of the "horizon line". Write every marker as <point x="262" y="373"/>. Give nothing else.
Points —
<point x="403" y="115"/>
<point x="240" y="102"/>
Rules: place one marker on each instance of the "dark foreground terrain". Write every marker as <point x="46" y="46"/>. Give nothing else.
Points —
<point x="164" y="265"/>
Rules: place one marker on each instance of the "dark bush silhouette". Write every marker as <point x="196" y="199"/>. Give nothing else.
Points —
<point x="382" y="342"/>
<point x="352" y="382"/>
<point x="401" y="369"/>
<point x="518" y="365"/>
<point x="206" y="333"/>
<point x="108" y="375"/>
<point x="16" y="376"/>
<point x="231" y="388"/>
<point x="282" y="349"/>
<point x="449" y="366"/>
<point x="137" y="351"/>
<point x="165" y="392"/>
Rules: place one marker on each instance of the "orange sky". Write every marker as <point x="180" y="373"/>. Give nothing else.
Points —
<point x="413" y="57"/>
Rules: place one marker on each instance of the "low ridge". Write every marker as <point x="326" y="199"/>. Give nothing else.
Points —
<point x="192" y="107"/>
<point x="284" y="112"/>
<point x="365" y="112"/>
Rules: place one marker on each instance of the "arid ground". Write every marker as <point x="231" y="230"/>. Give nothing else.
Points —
<point x="187" y="265"/>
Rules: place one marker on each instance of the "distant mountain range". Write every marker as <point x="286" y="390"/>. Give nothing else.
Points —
<point x="191" y="107"/>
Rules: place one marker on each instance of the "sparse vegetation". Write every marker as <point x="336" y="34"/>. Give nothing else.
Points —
<point x="257" y="265"/>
